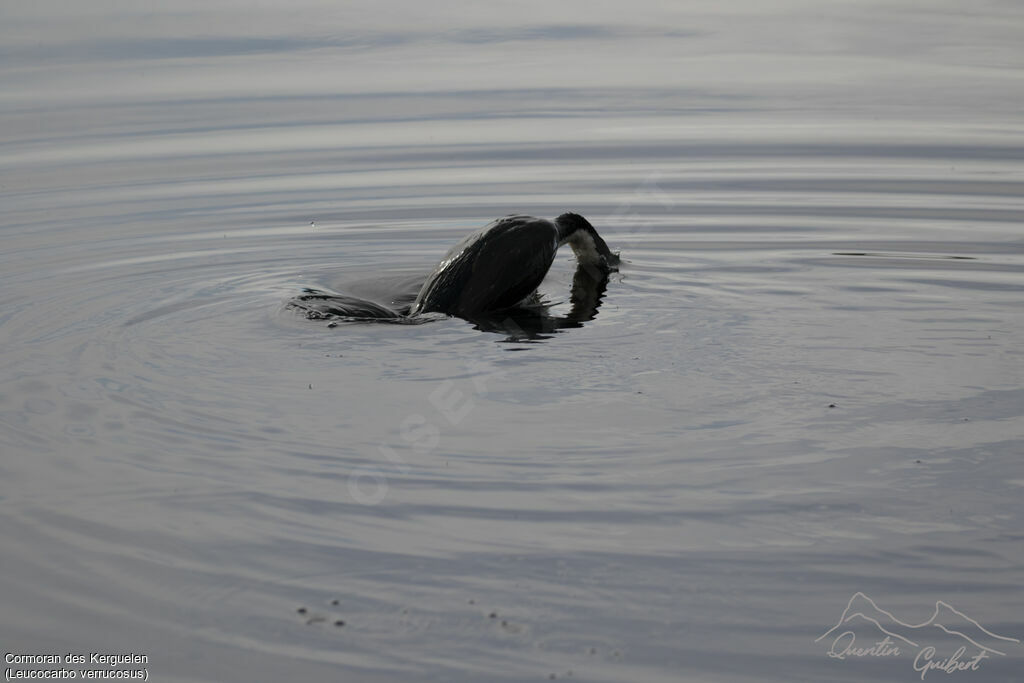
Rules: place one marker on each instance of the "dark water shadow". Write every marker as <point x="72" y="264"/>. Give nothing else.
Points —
<point x="532" y="321"/>
<point x="879" y="254"/>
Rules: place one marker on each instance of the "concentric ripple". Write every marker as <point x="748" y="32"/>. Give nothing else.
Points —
<point x="804" y="381"/>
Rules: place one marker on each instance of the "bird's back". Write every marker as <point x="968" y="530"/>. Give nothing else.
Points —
<point x="493" y="269"/>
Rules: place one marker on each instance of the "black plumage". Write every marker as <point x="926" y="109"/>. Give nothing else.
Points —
<point x="501" y="265"/>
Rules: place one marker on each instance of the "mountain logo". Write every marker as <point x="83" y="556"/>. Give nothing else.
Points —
<point x="948" y="641"/>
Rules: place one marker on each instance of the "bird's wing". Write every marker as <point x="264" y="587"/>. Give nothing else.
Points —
<point x="508" y="264"/>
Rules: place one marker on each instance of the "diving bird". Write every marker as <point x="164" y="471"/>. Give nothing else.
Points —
<point x="501" y="265"/>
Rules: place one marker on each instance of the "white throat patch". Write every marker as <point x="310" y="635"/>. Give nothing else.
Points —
<point x="583" y="246"/>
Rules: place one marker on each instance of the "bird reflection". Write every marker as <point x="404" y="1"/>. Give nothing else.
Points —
<point x="536" y="322"/>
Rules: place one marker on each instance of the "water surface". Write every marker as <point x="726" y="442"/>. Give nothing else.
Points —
<point x="804" y="382"/>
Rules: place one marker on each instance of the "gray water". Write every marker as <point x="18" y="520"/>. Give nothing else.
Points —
<point x="806" y="381"/>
